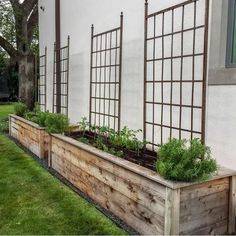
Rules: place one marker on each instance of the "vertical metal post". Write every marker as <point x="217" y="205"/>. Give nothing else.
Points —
<point x="91" y="76"/>
<point x="193" y="67"/>
<point x="181" y="75"/>
<point x="145" y="67"/>
<point x="45" y="79"/>
<point x="120" y="62"/>
<point x="36" y="93"/>
<point x="68" y="66"/>
<point x="58" y="55"/>
<point x="54" y="79"/>
<point x="204" y="84"/>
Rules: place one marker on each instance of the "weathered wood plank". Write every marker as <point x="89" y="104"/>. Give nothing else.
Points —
<point x="30" y="135"/>
<point x="221" y="173"/>
<point x="203" y="189"/>
<point x="232" y="206"/>
<point x="122" y="183"/>
<point x="172" y="211"/>
<point x="218" y="228"/>
<point x="206" y="218"/>
<point x="203" y="203"/>
<point x="127" y="209"/>
<point x="79" y="157"/>
<point x="175" y="218"/>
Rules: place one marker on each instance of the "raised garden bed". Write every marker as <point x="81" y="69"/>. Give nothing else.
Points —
<point x="30" y="135"/>
<point x="143" y="199"/>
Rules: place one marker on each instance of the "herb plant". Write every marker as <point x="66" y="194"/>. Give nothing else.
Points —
<point x="20" y="109"/>
<point x="53" y="122"/>
<point x="56" y="123"/>
<point x="110" y="141"/>
<point x="83" y="124"/>
<point x="181" y="160"/>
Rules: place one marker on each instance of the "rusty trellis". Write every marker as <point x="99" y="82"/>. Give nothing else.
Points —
<point x="176" y="41"/>
<point x="42" y="82"/>
<point x="105" y="77"/>
<point x="61" y="88"/>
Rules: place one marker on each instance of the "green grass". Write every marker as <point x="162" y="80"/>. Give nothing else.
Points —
<point x="5" y="110"/>
<point x="34" y="202"/>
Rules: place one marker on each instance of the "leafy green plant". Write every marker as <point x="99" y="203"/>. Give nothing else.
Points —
<point x="83" y="125"/>
<point x="56" y="123"/>
<point x="53" y="122"/>
<point x="41" y="118"/>
<point x="127" y="138"/>
<point x="4" y="125"/>
<point x="20" y="109"/>
<point x="84" y="140"/>
<point x="181" y="160"/>
<point x="113" y="142"/>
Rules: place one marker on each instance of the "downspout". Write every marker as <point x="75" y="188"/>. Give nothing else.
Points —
<point x="58" y="54"/>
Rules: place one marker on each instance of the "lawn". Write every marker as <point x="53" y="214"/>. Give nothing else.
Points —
<point x="34" y="202"/>
<point x="5" y="110"/>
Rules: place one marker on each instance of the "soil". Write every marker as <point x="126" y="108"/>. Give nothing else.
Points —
<point x="146" y="158"/>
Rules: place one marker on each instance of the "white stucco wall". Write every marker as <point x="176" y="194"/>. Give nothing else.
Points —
<point x="221" y="107"/>
<point x="47" y="39"/>
<point x="76" y="19"/>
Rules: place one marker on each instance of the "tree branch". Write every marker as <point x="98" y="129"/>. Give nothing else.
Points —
<point x="32" y="23"/>
<point x="15" y="6"/>
<point x="28" y="5"/>
<point x="7" y="47"/>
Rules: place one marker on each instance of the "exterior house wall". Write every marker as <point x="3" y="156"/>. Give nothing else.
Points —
<point x="76" y="19"/>
<point x="221" y="122"/>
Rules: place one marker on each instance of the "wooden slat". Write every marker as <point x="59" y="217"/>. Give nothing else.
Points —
<point x="203" y="206"/>
<point x="152" y="175"/>
<point x="172" y="211"/>
<point x="203" y="203"/>
<point x="199" y="221"/>
<point x="125" y="208"/>
<point x="138" y="190"/>
<point x="66" y="151"/>
<point x="29" y="135"/>
<point x="175" y="212"/>
<point x="207" y="188"/>
<point x="218" y="228"/>
<point x="232" y="206"/>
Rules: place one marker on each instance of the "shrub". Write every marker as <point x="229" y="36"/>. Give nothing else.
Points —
<point x="55" y="122"/>
<point x="20" y="109"/>
<point x="185" y="161"/>
<point x="4" y="125"/>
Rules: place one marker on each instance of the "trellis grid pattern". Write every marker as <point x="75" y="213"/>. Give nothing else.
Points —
<point x="61" y="88"/>
<point x="42" y="82"/>
<point x="176" y="41"/>
<point x="105" y="77"/>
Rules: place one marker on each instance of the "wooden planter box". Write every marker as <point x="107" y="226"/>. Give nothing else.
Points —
<point x="141" y="198"/>
<point x="30" y="135"/>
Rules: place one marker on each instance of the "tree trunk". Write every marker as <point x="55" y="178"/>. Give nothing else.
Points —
<point x="26" y="80"/>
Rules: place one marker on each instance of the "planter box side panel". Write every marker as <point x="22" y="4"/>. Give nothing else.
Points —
<point x="137" y="201"/>
<point x="30" y="137"/>
<point x="204" y="208"/>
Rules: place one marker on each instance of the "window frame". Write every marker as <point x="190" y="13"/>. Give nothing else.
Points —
<point x="230" y="34"/>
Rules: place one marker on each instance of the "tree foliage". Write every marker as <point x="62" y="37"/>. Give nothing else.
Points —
<point x="19" y="26"/>
<point x="19" y="41"/>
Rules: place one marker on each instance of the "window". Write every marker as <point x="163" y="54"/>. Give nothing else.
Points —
<point x="231" y="41"/>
